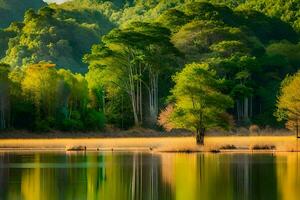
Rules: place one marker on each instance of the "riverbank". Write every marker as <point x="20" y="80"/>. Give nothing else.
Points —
<point x="132" y="133"/>
<point x="159" y="144"/>
<point x="138" y="133"/>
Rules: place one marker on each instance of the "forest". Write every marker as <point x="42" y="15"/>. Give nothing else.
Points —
<point x="196" y="65"/>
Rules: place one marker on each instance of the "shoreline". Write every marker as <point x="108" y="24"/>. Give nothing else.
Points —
<point x="133" y="133"/>
<point x="187" y="144"/>
<point x="90" y="135"/>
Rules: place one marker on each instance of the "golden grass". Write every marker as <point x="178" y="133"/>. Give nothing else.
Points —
<point x="164" y="144"/>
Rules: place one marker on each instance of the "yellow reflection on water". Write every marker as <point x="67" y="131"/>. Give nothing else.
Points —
<point x="30" y="182"/>
<point x="93" y="181"/>
<point x="115" y="184"/>
<point x="288" y="175"/>
<point x="194" y="176"/>
<point x="137" y="176"/>
<point x="38" y="183"/>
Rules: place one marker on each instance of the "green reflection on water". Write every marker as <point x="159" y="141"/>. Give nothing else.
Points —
<point x="114" y="176"/>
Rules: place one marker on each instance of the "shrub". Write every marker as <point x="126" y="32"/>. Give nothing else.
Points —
<point x="42" y="126"/>
<point x="228" y="147"/>
<point x="94" y="120"/>
<point x="214" y="151"/>
<point x="75" y="115"/>
<point x="164" y="118"/>
<point x="254" y="129"/>
<point x="71" y="125"/>
<point x="263" y="147"/>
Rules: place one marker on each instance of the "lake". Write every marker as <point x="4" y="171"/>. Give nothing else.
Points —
<point x="143" y="176"/>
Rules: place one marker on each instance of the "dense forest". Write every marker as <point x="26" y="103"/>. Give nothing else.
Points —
<point x="188" y="64"/>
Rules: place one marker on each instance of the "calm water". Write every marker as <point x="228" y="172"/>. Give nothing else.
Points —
<point x="143" y="176"/>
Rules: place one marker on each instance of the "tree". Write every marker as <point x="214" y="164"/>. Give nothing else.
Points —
<point x="238" y="70"/>
<point x="4" y="96"/>
<point x="14" y="10"/>
<point x="46" y="35"/>
<point x="133" y="59"/>
<point x="74" y="93"/>
<point x="40" y="86"/>
<point x="288" y="103"/>
<point x="198" y="102"/>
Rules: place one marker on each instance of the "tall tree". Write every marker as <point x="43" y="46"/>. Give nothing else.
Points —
<point x="198" y="102"/>
<point x="288" y="104"/>
<point x="40" y="85"/>
<point x="4" y="96"/>
<point x="136" y="55"/>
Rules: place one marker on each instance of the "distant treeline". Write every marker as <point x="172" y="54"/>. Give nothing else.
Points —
<point x="175" y="64"/>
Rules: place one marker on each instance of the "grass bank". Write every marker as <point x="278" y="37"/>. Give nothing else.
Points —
<point x="160" y="144"/>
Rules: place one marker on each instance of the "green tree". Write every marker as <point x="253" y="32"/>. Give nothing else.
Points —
<point x="198" y="102"/>
<point x="288" y="103"/>
<point x="40" y="86"/>
<point x="133" y="59"/>
<point x="4" y="96"/>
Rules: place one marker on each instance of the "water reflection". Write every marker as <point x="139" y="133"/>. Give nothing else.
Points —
<point x="114" y="176"/>
<point x="288" y="176"/>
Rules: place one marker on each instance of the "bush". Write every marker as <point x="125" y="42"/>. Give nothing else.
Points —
<point x="263" y="147"/>
<point x="42" y="126"/>
<point x="75" y="115"/>
<point x="254" y="129"/>
<point x="94" y="120"/>
<point x="228" y="147"/>
<point x="71" y="125"/>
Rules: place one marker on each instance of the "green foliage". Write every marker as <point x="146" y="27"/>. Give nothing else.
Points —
<point x="46" y="37"/>
<point x="198" y="102"/>
<point x="288" y="50"/>
<point x="13" y="10"/>
<point x="135" y="48"/>
<point x="5" y="85"/>
<point x="94" y="120"/>
<point x="287" y="11"/>
<point x="71" y="125"/>
<point x="41" y="98"/>
<point x="288" y="102"/>
<point x="131" y="60"/>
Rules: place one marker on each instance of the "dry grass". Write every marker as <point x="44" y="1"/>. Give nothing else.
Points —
<point x="161" y="144"/>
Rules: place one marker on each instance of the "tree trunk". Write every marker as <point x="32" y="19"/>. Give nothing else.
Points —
<point x="153" y="98"/>
<point x="134" y="97"/>
<point x="246" y="108"/>
<point x="239" y="110"/>
<point x="135" y="115"/>
<point x="200" y="136"/>
<point x="251" y="106"/>
<point x="297" y="129"/>
<point x="4" y="106"/>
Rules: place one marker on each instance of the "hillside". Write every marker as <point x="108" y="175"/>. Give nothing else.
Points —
<point x="13" y="10"/>
<point x="57" y="34"/>
<point x="140" y="61"/>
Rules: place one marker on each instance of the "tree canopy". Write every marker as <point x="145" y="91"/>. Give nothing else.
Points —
<point x="288" y="104"/>
<point x="82" y="60"/>
<point x="198" y="101"/>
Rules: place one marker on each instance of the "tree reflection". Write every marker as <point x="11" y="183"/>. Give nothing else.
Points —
<point x="288" y="175"/>
<point x="115" y="176"/>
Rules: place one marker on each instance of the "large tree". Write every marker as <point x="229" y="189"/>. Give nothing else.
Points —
<point x="288" y="104"/>
<point x="133" y="60"/>
<point x="4" y="96"/>
<point x="198" y="102"/>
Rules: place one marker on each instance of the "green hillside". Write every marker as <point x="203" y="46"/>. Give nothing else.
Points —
<point x="135" y="59"/>
<point x="13" y="10"/>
